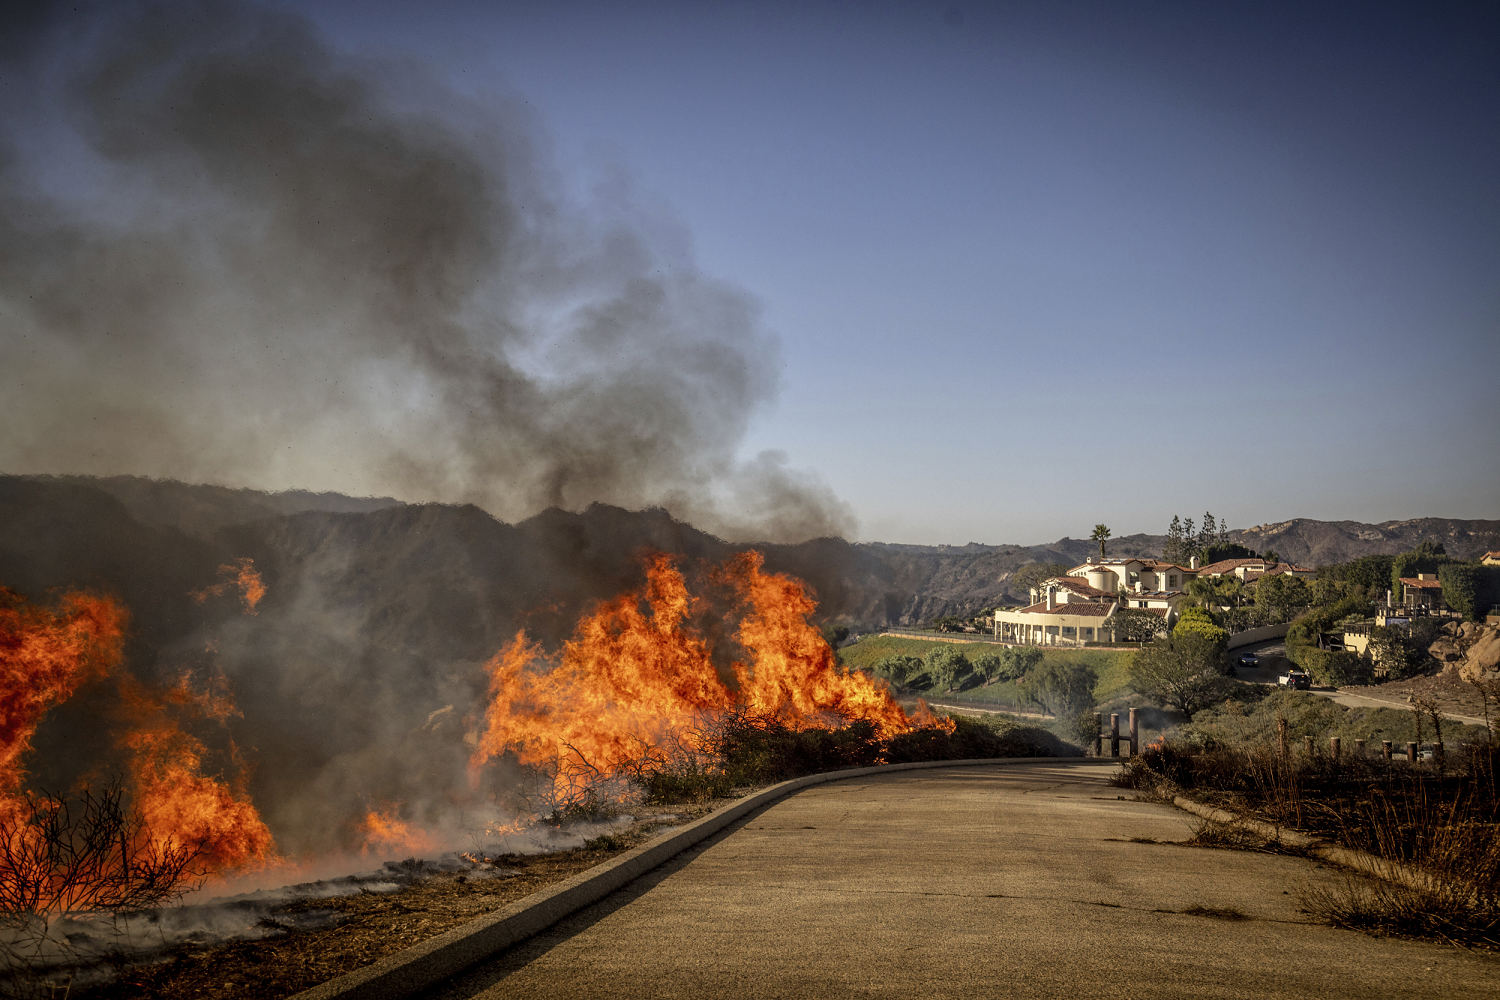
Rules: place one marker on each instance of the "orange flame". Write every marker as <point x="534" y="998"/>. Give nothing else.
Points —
<point x="637" y="683"/>
<point x="180" y="804"/>
<point x="45" y="655"/>
<point x="385" y="832"/>
<point x="792" y="675"/>
<point x="239" y="575"/>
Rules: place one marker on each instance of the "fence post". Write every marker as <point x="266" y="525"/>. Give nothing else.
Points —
<point x="1098" y="735"/>
<point x="1385" y="750"/>
<point x="1281" y="735"/>
<point x="1411" y="752"/>
<point x="1135" y="734"/>
<point x="1333" y="746"/>
<point x="1307" y="742"/>
<point x="1437" y="754"/>
<point x="1114" y="734"/>
<point x="1359" y="748"/>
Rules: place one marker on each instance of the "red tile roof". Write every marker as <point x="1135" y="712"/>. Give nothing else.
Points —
<point x="1411" y="581"/>
<point x="1084" y="609"/>
<point x="1230" y="565"/>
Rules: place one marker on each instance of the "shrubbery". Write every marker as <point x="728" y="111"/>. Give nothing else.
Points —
<point x="747" y="751"/>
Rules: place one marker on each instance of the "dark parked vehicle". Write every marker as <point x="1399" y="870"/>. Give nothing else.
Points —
<point x="1249" y="660"/>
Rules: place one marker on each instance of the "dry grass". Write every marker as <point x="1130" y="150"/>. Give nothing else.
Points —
<point x="1435" y="825"/>
<point x="360" y="928"/>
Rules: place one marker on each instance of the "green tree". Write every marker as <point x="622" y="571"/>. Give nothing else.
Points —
<point x="1019" y="661"/>
<point x="1470" y="588"/>
<point x="1226" y="550"/>
<point x="1282" y="595"/>
<point x="1427" y="557"/>
<point x="1031" y="576"/>
<point x="900" y="669"/>
<point x="1183" y="671"/>
<point x="1100" y="535"/>
<point x="1137" y="625"/>
<point x="1176" y="550"/>
<point x="1391" y="653"/>
<point x="1198" y="622"/>
<point x="989" y="666"/>
<point x="1208" y="533"/>
<point x="947" y="665"/>
<point x="1061" y="687"/>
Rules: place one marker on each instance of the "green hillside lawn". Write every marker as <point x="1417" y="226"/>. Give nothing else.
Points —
<point x="1112" y="666"/>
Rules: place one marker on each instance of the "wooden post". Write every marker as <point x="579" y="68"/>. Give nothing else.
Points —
<point x="1135" y="734"/>
<point x="1411" y="753"/>
<point x="1359" y="748"/>
<point x="1098" y="735"/>
<point x="1281" y="736"/>
<point x="1385" y="750"/>
<point x="1437" y="754"/>
<point x="1114" y="734"/>
<point x="1307" y="742"/>
<point x="1333" y="747"/>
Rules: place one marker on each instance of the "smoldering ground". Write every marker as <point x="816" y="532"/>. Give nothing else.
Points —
<point x="231" y="253"/>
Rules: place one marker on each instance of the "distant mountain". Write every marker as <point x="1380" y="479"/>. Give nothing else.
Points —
<point x="1318" y="543"/>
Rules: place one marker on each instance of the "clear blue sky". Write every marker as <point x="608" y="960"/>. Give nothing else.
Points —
<point x="1021" y="268"/>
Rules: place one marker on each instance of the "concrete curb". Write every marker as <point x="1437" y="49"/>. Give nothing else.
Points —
<point x="424" y="965"/>
<point x="1345" y="857"/>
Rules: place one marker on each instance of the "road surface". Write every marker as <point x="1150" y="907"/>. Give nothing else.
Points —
<point x="1029" y="880"/>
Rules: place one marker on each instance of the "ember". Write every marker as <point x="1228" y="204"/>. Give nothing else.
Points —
<point x="239" y="575"/>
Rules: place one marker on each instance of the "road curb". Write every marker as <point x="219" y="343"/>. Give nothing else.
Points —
<point x="424" y="965"/>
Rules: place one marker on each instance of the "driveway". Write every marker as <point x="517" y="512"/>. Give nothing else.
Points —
<point x="1028" y="880"/>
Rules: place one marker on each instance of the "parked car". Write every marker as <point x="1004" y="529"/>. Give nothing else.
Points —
<point x="1298" y="679"/>
<point x="1249" y="660"/>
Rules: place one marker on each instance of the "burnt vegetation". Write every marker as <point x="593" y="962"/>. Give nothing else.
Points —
<point x="1434" y="826"/>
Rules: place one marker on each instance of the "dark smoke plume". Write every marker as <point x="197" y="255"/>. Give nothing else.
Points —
<point x="229" y="253"/>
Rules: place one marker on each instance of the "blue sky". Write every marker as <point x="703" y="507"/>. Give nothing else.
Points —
<point x="1028" y="267"/>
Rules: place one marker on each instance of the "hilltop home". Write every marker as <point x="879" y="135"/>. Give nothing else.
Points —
<point x="1254" y="569"/>
<point x="1080" y="607"/>
<point x="1422" y="591"/>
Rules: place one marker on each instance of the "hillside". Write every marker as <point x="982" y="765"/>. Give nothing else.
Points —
<point x="365" y="655"/>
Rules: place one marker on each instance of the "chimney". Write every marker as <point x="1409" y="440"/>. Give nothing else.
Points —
<point x="1051" y="599"/>
<point x="1193" y="562"/>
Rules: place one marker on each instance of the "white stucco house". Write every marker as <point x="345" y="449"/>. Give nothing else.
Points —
<point x="1079" y="607"/>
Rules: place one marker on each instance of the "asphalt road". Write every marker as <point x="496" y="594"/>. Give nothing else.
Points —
<point x="1031" y="880"/>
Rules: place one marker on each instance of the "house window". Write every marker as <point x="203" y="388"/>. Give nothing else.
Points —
<point x="1172" y="580"/>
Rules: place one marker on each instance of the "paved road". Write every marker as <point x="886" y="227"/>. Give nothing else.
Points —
<point x="1032" y="880"/>
<point x="1273" y="661"/>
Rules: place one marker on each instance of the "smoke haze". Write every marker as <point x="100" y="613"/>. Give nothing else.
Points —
<point x="230" y="254"/>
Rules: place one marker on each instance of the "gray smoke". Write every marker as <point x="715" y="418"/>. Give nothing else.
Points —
<point x="229" y="253"/>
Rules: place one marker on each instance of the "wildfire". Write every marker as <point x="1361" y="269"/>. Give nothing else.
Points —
<point x="170" y="807"/>
<point x="45" y="655"/>
<point x="384" y="832"/>
<point x="186" y="808"/>
<point x="239" y="575"/>
<point x="637" y="683"/>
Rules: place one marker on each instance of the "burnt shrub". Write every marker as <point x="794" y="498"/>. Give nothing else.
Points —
<point x="972" y="738"/>
<point x="757" y="751"/>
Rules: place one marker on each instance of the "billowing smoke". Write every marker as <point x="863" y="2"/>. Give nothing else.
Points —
<point x="230" y="253"/>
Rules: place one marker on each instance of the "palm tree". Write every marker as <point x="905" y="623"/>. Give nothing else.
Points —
<point x="1101" y="532"/>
